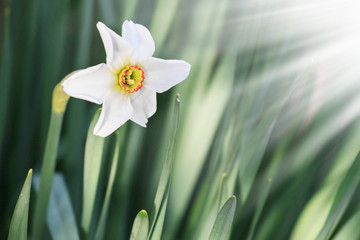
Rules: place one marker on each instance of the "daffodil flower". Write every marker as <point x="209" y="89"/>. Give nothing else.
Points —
<point x="126" y="85"/>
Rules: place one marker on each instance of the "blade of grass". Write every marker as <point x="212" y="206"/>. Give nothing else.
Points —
<point x="120" y="136"/>
<point x="157" y="233"/>
<point x="92" y="165"/>
<point x="141" y="226"/>
<point x="224" y="219"/>
<point x="212" y="209"/>
<point x="351" y="229"/>
<point x="213" y="105"/>
<point x="342" y="199"/>
<point x="196" y="137"/>
<point x="122" y="187"/>
<point x="314" y="215"/>
<point x="264" y="131"/>
<point x="19" y="221"/>
<point x="270" y="174"/>
<point x="164" y="182"/>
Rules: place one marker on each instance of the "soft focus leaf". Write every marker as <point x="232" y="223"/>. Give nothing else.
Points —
<point x="60" y="215"/>
<point x="314" y="215"/>
<point x="224" y="219"/>
<point x="350" y="229"/>
<point x="157" y="232"/>
<point x="342" y="199"/>
<point x="140" y="227"/>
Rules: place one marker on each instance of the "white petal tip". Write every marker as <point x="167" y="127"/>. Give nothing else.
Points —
<point x="142" y="124"/>
<point x="99" y="133"/>
<point x="100" y="25"/>
<point x="187" y="67"/>
<point x="128" y="21"/>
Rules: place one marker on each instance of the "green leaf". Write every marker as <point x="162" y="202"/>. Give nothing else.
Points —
<point x="351" y="228"/>
<point x="264" y="194"/>
<point x="314" y="215"/>
<point x="130" y="160"/>
<point x="60" y="215"/>
<point x="162" y="192"/>
<point x="261" y="137"/>
<point x="92" y="164"/>
<point x="156" y="234"/>
<point x="222" y="226"/>
<point x="342" y="199"/>
<point x="100" y="230"/>
<point x="140" y="227"/>
<point x="19" y="221"/>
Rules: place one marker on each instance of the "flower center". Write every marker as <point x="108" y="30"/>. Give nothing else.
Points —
<point x="131" y="78"/>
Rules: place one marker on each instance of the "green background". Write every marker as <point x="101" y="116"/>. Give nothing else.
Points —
<point x="272" y="100"/>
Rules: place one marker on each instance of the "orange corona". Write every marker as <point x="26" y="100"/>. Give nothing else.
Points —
<point x="131" y="78"/>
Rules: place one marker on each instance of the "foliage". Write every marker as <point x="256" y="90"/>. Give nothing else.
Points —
<point x="269" y="114"/>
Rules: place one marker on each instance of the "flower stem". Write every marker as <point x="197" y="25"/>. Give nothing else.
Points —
<point x="48" y="164"/>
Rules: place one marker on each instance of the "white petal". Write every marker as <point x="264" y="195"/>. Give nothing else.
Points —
<point x="117" y="49"/>
<point x="160" y="74"/>
<point x="91" y="83"/>
<point x="140" y="39"/>
<point x="116" y="110"/>
<point x="144" y="106"/>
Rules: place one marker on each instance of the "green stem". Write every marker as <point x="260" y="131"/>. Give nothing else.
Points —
<point x="59" y="102"/>
<point x="47" y="172"/>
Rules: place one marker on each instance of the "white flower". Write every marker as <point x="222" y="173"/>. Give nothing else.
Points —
<point x="127" y="84"/>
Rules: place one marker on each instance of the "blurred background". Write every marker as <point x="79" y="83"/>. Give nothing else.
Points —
<point x="272" y="100"/>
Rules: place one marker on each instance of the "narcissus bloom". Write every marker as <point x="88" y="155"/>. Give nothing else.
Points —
<point x="126" y="85"/>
